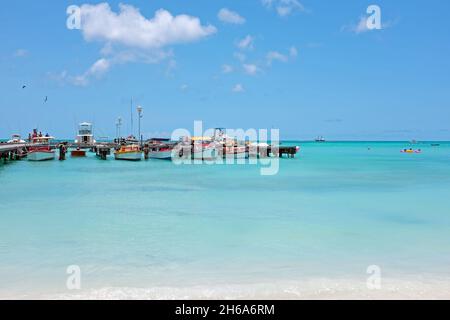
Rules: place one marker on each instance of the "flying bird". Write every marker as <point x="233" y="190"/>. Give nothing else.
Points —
<point x="46" y="99"/>
<point x="24" y="86"/>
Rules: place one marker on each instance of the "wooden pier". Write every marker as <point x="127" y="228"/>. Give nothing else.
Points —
<point x="13" y="151"/>
<point x="281" y="151"/>
<point x="103" y="150"/>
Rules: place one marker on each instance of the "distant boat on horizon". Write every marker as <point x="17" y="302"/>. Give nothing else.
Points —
<point x="320" y="139"/>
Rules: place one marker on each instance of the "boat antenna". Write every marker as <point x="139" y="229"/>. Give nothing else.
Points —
<point x="131" y="115"/>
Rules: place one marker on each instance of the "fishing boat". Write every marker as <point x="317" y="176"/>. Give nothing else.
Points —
<point x="204" y="148"/>
<point x="40" y="149"/>
<point x="258" y="149"/>
<point x="229" y="147"/>
<point x="85" y="137"/>
<point x="160" y="148"/>
<point x="320" y="139"/>
<point x="16" y="139"/>
<point x="130" y="152"/>
<point x="232" y="149"/>
<point x="78" y="153"/>
<point x="411" y="150"/>
<point x="160" y="152"/>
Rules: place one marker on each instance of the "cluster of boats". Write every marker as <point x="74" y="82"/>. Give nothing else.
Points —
<point x="202" y="148"/>
<point x="411" y="150"/>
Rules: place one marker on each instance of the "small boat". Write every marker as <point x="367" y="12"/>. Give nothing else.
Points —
<point x="16" y="139"/>
<point x="40" y="149"/>
<point x="85" y="135"/>
<point x="258" y="149"/>
<point x="229" y="147"/>
<point x="234" y="150"/>
<point x="203" y="148"/>
<point x="320" y="139"/>
<point x="160" y="152"/>
<point x="160" y="148"/>
<point x="410" y="150"/>
<point x="205" y="151"/>
<point x="78" y="153"/>
<point x="130" y="152"/>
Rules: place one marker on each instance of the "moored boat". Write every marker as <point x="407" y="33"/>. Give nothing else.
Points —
<point x="160" y="152"/>
<point x="131" y="152"/>
<point x="320" y="139"/>
<point x="40" y="149"/>
<point x="204" y="148"/>
<point x="85" y="135"/>
<point x="16" y="139"/>
<point x="78" y="153"/>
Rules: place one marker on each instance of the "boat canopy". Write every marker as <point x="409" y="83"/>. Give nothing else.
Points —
<point x="201" y="138"/>
<point x="85" y="129"/>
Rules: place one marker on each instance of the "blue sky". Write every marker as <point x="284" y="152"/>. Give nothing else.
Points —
<point x="305" y="68"/>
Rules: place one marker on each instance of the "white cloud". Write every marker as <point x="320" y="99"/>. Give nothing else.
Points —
<point x="97" y="70"/>
<point x="184" y="87"/>
<point x="228" y="16"/>
<point x="128" y="36"/>
<point x="246" y="43"/>
<point x="171" y="66"/>
<point x="251" y="69"/>
<point x="238" y="88"/>
<point x="227" y="68"/>
<point x="130" y="28"/>
<point x="20" y="53"/>
<point x="361" y="26"/>
<point x="284" y="7"/>
<point x="275" y="55"/>
<point x="293" y="52"/>
<point x="240" y="56"/>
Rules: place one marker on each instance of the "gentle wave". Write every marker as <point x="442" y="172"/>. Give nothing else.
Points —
<point x="320" y="288"/>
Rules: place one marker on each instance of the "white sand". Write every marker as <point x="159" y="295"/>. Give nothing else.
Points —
<point x="316" y="289"/>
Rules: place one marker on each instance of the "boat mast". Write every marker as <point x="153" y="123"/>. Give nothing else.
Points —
<point x="131" y="115"/>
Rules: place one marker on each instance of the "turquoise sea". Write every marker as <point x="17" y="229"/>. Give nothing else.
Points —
<point x="153" y="229"/>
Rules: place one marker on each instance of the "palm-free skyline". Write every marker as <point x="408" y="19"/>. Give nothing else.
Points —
<point x="306" y="67"/>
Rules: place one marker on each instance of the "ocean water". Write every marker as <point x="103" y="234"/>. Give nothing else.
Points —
<point x="152" y="229"/>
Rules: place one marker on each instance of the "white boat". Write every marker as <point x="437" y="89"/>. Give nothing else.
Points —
<point x="160" y="153"/>
<point x="203" y="150"/>
<point x="128" y="152"/>
<point x="16" y="139"/>
<point x="85" y="135"/>
<point x="229" y="147"/>
<point x="40" y="149"/>
<point x="320" y="139"/>
<point x="258" y="149"/>
<point x="160" y="148"/>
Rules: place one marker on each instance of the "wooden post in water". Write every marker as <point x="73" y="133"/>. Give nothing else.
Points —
<point x="146" y="150"/>
<point x="62" y="152"/>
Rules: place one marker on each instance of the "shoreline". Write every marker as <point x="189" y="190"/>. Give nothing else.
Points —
<point x="415" y="288"/>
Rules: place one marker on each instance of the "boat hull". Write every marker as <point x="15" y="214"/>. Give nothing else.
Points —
<point x="128" y="156"/>
<point x="41" y="155"/>
<point x="205" y="154"/>
<point x="78" y="153"/>
<point x="161" y="155"/>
